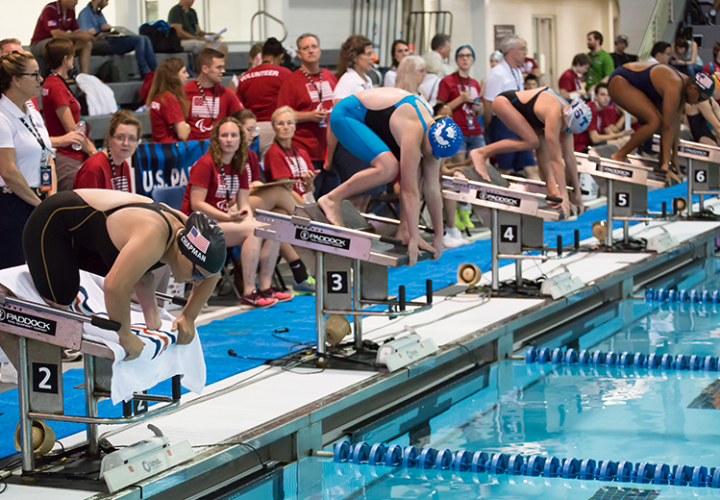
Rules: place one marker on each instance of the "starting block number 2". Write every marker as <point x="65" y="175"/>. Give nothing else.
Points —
<point x="45" y="378"/>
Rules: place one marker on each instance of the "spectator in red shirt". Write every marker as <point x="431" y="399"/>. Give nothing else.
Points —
<point x="285" y="161"/>
<point x="61" y="111"/>
<point x="254" y="59"/>
<point x="714" y="65"/>
<point x="571" y="82"/>
<point x="57" y="20"/>
<point x="606" y="122"/>
<point x="167" y="102"/>
<point x="109" y="168"/>
<point x="530" y="67"/>
<point x="260" y="86"/>
<point x="218" y="188"/>
<point x="210" y="102"/>
<point x="461" y="93"/>
<point x="310" y="92"/>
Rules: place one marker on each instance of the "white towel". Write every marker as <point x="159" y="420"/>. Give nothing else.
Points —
<point x="100" y="97"/>
<point x="161" y="358"/>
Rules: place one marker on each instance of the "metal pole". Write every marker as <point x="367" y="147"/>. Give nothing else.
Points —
<point x="91" y="405"/>
<point x="690" y="181"/>
<point x="494" y="245"/>
<point x="518" y="275"/>
<point x="609" y="237"/>
<point x="626" y="231"/>
<point x="357" y="306"/>
<point x="320" y="302"/>
<point x="26" y="447"/>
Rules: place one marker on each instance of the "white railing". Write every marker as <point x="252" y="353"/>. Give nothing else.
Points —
<point x="662" y="15"/>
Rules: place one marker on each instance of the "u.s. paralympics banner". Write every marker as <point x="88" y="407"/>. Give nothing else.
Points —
<point x="165" y="165"/>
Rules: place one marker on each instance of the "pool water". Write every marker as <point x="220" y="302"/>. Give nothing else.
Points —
<point x="605" y="413"/>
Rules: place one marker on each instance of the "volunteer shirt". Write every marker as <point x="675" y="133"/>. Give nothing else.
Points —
<point x="252" y="167"/>
<point x="96" y="173"/>
<point x="600" y="121"/>
<point x="301" y="95"/>
<point x="52" y="18"/>
<point x="219" y="102"/>
<point x="14" y="135"/>
<point x="450" y="89"/>
<point x="259" y="88"/>
<point x="165" y="112"/>
<point x="204" y="174"/>
<point x="292" y="163"/>
<point x="570" y="81"/>
<point x="54" y="95"/>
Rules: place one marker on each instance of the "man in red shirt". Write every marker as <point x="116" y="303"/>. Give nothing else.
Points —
<point x="57" y="20"/>
<point x="530" y="67"/>
<point x="571" y="82"/>
<point x="309" y="91"/>
<point x="604" y="120"/>
<point x="209" y="101"/>
<point x="259" y="88"/>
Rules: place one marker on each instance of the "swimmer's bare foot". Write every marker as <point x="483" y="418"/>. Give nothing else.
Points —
<point x="618" y="157"/>
<point x="478" y="160"/>
<point x="331" y="210"/>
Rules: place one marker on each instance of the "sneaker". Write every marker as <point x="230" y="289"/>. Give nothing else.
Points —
<point x="458" y="221"/>
<point x="271" y="293"/>
<point x="464" y="216"/>
<point x="70" y="355"/>
<point x="307" y="287"/>
<point x="449" y="242"/>
<point x="255" y="299"/>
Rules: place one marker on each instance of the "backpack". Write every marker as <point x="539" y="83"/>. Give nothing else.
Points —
<point x="164" y="39"/>
<point x="108" y="72"/>
<point x="694" y="15"/>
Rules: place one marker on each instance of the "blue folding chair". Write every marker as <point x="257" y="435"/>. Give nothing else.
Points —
<point x="171" y="196"/>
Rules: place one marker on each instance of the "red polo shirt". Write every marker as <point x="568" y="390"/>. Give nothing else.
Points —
<point x="165" y="112"/>
<point x="96" y="173"/>
<point x="218" y="103"/>
<point x="206" y="175"/>
<point x="56" y="94"/>
<point x="291" y="163"/>
<point x="259" y="88"/>
<point x="52" y="18"/>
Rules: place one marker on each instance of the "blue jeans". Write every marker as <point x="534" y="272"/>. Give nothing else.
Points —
<point x="144" y="52"/>
<point x="471" y="142"/>
<point x="516" y="161"/>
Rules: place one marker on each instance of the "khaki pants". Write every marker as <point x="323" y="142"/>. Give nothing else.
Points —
<point x="65" y="169"/>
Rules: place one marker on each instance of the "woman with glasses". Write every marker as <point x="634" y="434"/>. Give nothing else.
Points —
<point x="109" y="168"/>
<point x="462" y="94"/>
<point x="61" y="110"/>
<point x="218" y="187"/>
<point x="123" y="237"/>
<point x="167" y="102"/>
<point x="410" y="76"/>
<point x="27" y="169"/>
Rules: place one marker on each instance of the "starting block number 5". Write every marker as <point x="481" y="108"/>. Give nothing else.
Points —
<point x="700" y="176"/>
<point x="337" y="282"/>
<point x="622" y="199"/>
<point x="45" y="378"/>
<point x="508" y="234"/>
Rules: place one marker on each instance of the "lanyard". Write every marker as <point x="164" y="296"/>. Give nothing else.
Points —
<point x="466" y="107"/>
<point x="295" y="162"/>
<point x="227" y="191"/>
<point x="112" y="167"/>
<point x="319" y="89"/>
<point x="34" y="132"/>
<point x="517" y="83"/>
<point x="209" y="108"/>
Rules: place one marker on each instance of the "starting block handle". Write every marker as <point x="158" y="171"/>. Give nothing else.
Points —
<point x="105" y="324"/>
<point x="179" y="301"/>
<point x="554" y="199"/>
<point x="391" y="240"/>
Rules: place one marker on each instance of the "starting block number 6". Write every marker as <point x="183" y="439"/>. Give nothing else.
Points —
<point x="700" y="176"/>
<point x="45" y="378"/>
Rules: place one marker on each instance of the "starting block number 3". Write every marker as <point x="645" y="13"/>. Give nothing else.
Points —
<point x="45" y="378"/>
<point x="337" y="282"/>
<point x="508" y="234"/>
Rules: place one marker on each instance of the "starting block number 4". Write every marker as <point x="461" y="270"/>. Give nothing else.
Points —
<point x="508" y="233"/>
<point x="622" y="199"/>
<point x="701" y="176"/>
<point x="337" y="282"/>
<point x="45" y="378"/>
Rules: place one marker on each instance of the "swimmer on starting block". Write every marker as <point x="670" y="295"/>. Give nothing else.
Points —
<point x="122" y="236"/>
<point x="546" y="122"/>
<point x="656" y="94"/>
<point x="395" y="132"/>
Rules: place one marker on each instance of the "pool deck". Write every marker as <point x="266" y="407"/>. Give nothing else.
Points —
<point x="288" y="415"/>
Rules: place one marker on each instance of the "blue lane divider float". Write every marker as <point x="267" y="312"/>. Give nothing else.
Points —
<point x="559" y="356"/>
<point x="412" y="457"/>
<point x="692" y="296"/>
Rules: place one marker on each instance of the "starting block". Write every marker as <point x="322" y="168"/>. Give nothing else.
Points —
<point x="33" y="336"/>
<point x="703" y="170"/>
<point x="351" y="264"/>
<point x="627" y="188"/>
<point x="517" y="217"/>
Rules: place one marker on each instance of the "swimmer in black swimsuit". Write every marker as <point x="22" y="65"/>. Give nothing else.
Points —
<point x="122" y="236"/>
<point x="545" y="122"/>
<point x="656" y="94"/>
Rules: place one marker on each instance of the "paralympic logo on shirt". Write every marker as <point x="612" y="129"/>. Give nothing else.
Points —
<point x="200" y="125"/>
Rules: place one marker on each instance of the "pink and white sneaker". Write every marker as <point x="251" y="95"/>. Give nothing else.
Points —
<point x="256" y="299"/>
<point x="271" y="293"/>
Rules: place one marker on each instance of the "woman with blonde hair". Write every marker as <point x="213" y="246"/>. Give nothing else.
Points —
<point x="410" y="76"/>
<point x="167" y="102"/>
<point x="218" y="188"/>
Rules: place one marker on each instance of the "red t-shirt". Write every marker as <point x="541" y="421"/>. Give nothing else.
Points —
<point x="219" y="102"/>
<point x="301" y="95"/>
<point x="52" y="18"/>
<point x="259" y="88"/>
<point x="165" y="112"/>
<point x="450" y="89"/>
<point x="33" y="104"/>
<point x="252" y="167"/>
<point x="54" y="95"/>
<point x="96" y="173"/>
<point x="206" y="175"/>
<point x="569" y="81"/>
<point x="600" y="121"/>
<point x="293" y="164"/>
<point x="529" y="65"/>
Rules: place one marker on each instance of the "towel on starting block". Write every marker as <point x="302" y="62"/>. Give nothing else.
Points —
<point x="161" y="358"/>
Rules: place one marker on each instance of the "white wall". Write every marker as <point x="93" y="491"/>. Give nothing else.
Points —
<point x="634" y="19"/>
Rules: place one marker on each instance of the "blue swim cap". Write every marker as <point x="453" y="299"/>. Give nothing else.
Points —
<point x="445" y="138"/>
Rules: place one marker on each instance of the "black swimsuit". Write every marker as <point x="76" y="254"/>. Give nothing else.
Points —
<point x="527" y="109"/>
<point x="65" y="235"/>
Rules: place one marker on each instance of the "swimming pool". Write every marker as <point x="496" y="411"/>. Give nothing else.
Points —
<point x="584" y="412"/>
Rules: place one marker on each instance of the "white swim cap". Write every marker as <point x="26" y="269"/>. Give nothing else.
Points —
<point x="578" y="115"/>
